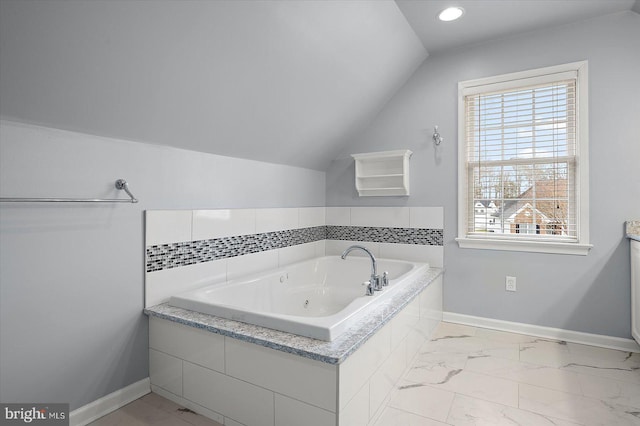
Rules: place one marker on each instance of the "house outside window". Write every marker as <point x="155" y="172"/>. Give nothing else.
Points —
<point x="523" y="161"/>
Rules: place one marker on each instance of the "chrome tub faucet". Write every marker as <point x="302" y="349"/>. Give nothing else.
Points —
<point x="375" y="282"/>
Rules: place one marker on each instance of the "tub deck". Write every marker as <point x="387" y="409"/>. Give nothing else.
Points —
<point x="333" y="352"/>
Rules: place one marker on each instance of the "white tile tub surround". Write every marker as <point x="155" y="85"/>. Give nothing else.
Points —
<point x="208" y="224"/>
<point x="293" y="254"/>
<point x="171" y="226"/>
<point x="338" y="216"/>
<point x="167" y="226"/>
<point x="393" y="217"/>
<point x="397" y="217"/>
<point x="269" y="220"/>
<point x="311" y="216"/>
<point x="251" y="263"/>
<point x="224" y="378"/>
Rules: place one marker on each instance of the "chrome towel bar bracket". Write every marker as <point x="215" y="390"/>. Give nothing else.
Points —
<point x="437" y="138"/>
<point x="120" y="184"/>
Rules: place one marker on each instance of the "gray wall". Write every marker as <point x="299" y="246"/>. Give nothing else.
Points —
<point x="71" y="276"/>
<point x="589" y="294"/>
<point x="279" y="81"/>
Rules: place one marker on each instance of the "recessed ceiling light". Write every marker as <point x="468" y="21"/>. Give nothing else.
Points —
<point x="451" y="14"/>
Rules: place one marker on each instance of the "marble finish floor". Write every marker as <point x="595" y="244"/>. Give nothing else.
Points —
<point x="473" y="376"/>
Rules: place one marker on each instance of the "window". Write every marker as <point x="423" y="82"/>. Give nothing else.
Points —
<point x="523" y="161"/>
<point x="527" y="228"/>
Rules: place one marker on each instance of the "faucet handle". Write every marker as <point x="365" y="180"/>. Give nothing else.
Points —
<point x="369" y="288"/>
<point x="385" y="278"/>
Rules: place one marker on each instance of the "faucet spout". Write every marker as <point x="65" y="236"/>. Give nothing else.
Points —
<point x="375" y="279"/>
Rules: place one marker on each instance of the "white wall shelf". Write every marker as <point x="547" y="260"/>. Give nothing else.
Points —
<point x="382" y="173"/>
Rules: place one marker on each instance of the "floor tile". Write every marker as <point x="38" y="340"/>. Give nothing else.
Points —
<point x="570" y="407"/>
<point x="612" y="391"/>
<point x="395" y="417"/>
<point x="626" y="370"/>
<point x="450" y="329"/>
<point x="171" y="421"/>
<point x="118" y="418"/>
<point x="472" y="384"/>
<point x="157" y="401"/>
<point x="467" y="411"/>
<point x="472" y="345"/>
<point x="144" y="412"/>
<point x="503" y="336"/>
<point x="194" y="418"/>
<point x="588" y="351"/>
<point x="435" y="366"/>
<point x="422" y="400"/>
<point x="154" y="410"/>
<point x="522" y="372"/>
<point x="545" y="352"/>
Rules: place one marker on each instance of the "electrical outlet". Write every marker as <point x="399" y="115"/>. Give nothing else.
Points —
<point x="510" y="283"/>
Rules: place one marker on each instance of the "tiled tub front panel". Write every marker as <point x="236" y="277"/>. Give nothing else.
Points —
<point x="186" y="249"/>
<point x="222" y="375"/>
<point x="367" y="377"/>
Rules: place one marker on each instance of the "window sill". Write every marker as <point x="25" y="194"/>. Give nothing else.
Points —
<point x="527" y="246"/>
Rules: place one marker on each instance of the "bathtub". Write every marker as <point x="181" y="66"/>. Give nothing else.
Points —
<point x="318" y="298"/>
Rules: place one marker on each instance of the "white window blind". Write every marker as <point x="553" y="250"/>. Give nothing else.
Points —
<point x="521" y="160"/>
<point x="520" y="153"/>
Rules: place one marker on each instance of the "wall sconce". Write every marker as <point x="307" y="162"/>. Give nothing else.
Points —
<point x="437" y="139"/>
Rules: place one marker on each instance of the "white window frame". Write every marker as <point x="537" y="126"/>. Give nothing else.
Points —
<point x="513" y="81"/>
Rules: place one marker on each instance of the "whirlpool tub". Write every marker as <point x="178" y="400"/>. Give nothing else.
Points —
<point x="318" y="298"/>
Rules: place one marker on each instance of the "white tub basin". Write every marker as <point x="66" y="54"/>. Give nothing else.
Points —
<point x="318" y="298"/>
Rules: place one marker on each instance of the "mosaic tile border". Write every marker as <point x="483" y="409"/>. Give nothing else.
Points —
<point x="167" y="256"/>
<point x="173" y="255"/>
<point x="421" y="236"/>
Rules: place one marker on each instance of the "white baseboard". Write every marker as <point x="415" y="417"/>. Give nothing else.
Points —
<point x="619" y="343"/>
<point x="108" y="403"/>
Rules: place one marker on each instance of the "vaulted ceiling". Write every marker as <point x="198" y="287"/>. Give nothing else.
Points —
<point x="486" y="20"/>
<point x="287" y="82"/>
<point x="277" y="81"/>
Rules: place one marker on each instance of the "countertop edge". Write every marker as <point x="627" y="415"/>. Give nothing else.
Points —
<point x="632" y="229"/>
